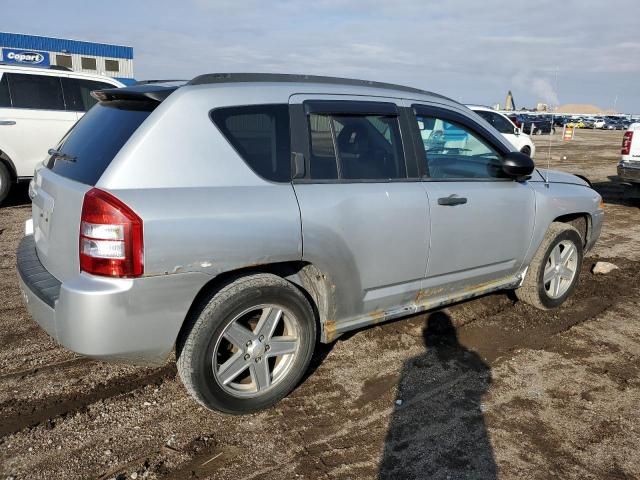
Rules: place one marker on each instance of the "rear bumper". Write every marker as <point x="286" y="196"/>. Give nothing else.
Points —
<point x="127" y="320"/>
<point x="629" y="171"/>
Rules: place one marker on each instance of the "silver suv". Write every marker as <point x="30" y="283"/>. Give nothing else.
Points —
<point x="242" y="218"/>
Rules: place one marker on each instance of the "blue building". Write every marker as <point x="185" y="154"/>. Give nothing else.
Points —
<point x="32" y="50"/>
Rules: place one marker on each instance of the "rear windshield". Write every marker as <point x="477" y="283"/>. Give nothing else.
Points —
<point x="88" y="148"/>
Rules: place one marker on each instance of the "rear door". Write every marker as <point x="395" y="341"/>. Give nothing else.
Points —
<point x="36" y="121"/>
<point x="363" y="209"/>
<point x="481" y="222"/>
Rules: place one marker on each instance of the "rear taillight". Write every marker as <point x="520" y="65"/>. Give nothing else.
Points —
<point x="110" y="237"/>
<point x="626" y="142"/>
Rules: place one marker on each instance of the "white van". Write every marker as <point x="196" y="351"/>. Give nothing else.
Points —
<point x="629" y="165"/>
<point x="37" y="107"/>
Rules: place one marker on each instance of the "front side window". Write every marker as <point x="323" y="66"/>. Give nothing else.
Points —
<point x="454" y="151"/>
<point x="355" y="147"/>
<point x="42" y="92"/>
<point x="260" y="135"/>
<point x="77" y="93"/>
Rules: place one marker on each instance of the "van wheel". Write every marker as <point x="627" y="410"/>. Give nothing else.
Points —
<point x="5" y="182"/>
<point x="526" y="150"/>
<point x="554" y="271"/>
<point x="248" y="345"/>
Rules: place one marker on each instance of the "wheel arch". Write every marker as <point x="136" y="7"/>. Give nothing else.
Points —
<point x="581" y="221"/>
<point x="6" y="160"/>
<point x="311" y="282"/>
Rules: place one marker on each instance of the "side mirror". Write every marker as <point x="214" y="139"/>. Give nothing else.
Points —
<point x="517" y="165"/>
<point x="516" y="131"/>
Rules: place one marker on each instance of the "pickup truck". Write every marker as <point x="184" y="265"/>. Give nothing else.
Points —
<point x="629" y="165"/>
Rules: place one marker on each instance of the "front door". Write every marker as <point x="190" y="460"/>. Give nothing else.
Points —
<point x="364" y="211"/>
<point x="481" y="221"/>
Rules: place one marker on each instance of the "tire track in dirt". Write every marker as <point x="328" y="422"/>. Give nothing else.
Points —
<point x="44" y="368"/>
<point x="17" y="415"/>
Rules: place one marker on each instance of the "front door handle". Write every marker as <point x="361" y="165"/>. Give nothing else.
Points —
<point x="7" y="122"/>
<point x="452" y="200"/>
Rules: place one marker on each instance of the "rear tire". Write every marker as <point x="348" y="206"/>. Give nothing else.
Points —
<point x="227" y="352"/>
<point x="555" y="269"/>
<point x="5" y="182"/>
<point x="526" y="150"/>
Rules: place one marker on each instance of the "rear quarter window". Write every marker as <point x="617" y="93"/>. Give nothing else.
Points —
<point x="94" y="141"/>
<point x="260" y="135"/>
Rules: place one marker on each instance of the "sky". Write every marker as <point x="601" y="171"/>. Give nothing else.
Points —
<point x="474" y="51"/>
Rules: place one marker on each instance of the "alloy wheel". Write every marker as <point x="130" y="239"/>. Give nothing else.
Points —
<point x="256" y="350"/>
<point x="561" y="269"/>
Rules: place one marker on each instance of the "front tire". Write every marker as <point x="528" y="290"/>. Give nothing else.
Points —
<point x="248" y="345"/>
<point x="5" y="182"/>
<point x="554" y="271"/>
<point x="526" y="150"/>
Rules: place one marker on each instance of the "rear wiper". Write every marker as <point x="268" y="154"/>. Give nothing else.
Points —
<point x="62" y="156"/>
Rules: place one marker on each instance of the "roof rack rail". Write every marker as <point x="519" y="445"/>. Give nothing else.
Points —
<point x="60" y="67"/>
<point x="168" y="80"/>
<point x="212" y="78"/>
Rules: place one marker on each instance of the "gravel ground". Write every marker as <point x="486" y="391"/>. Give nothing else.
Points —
<point x="489" y="388"/>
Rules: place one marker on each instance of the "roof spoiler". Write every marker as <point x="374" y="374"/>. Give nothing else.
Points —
<point x="146" y="92"/>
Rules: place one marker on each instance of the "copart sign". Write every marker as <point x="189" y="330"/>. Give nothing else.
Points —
<point x="25" y="57"/>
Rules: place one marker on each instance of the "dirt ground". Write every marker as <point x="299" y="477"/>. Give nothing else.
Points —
<point x="489" y="388"/>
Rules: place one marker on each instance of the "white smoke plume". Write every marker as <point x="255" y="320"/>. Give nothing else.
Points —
<point x="545" y="91"/>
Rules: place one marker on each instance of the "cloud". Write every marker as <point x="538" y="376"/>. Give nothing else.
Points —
<point x="470" y="50"/>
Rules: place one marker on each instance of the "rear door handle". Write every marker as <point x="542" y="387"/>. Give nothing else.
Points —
<point x="7" y="122"/>
<point x="452" y="200"/>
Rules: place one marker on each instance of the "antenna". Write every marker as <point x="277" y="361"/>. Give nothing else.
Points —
<point x="549" y="152"/>
<point x="546" y="180"/>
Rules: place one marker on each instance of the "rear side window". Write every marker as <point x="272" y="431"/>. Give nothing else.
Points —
<point x="77" y="93"/>
<point x="260" y="135"/>
<point x="94" y="141"/>
<point x="355" y="147"/>
<point x="5" y="99"/>
<point x="42" y="92"/>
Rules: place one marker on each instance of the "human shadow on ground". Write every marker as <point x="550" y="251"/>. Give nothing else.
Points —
<point x="437" y="430"/>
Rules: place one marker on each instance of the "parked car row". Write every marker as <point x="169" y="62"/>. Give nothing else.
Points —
<point x="598" y="122"/>
<point x="173" y="216"/>
<point x="533" y="124"/>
